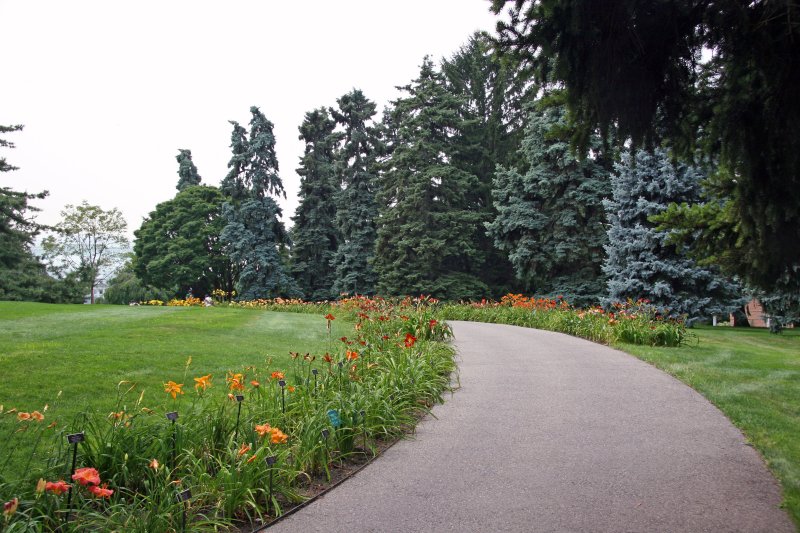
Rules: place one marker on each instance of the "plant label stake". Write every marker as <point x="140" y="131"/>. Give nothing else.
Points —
<point x="183" y="497"/>
<point x="172" y="416"/>
<point x="282" y="384"/>
<point x="315" y="372"/>
<point x="325" y="434"/>
<point x="73" y="439"/>
<point x="239" y="400"/>
<point x="271" y="460"/>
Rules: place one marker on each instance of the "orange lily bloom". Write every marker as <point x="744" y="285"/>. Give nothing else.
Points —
<point x="277" y="436"/>
<point x="330" y="317"/>
<point x="36" y="415"/>
<point x="235" y="381"/>
<point x="23" y="416"/>
<point x="154" y="464"/>
<point x="410" y="340"/>
<point x="278" y="375"/>
<point x="327" y="358"/>
<point x="173" y="389"/>
<point x="203" y="382"/>
<point x="87" y="476"/>
<point x="57" y="487"/>
<point x="243" y="450"/>
<point x="255" y="384"/>
<point x="352" y="356"/>
<point x="263" y="429"/>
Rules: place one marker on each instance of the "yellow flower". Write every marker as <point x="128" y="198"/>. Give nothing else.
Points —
<point x="173" y="389"/>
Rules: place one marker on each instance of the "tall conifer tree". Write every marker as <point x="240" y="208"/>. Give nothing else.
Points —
<point x="187" y="171"/>
<point x="550" y="219"/>
<point x="427" y="225"/>
<point x="254" y="235"/>
<point x="356" y="209"/>
<point x="315" y="237"/>
<point x="641" y="263"/>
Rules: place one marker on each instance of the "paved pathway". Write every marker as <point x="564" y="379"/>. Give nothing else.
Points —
<point x="553" y="433"/>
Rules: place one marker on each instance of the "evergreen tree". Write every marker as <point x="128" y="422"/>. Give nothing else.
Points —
<point x="178" y="245"/>
<point x="494" y="89"/>
<point x="641" y="263"/>
<point x="427" y="226"/>
<point x="187" y="172"/>
<point x="314" y="235"/>
<point x="550" y="219"/>
<point x="22" y="275"/>
<point x="255" y="238"/>
<point x="356" y="209"/>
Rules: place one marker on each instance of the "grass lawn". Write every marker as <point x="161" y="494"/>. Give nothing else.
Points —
<point x="85" y="351"/>
<point x="754" y="378"/>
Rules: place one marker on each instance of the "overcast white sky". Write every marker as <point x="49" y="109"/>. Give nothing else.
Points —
<point x="108" y="91"/>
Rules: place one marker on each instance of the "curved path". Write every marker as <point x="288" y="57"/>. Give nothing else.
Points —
<point x="553" y="433"/>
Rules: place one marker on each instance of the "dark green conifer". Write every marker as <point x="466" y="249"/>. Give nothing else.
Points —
<point x="356" y="209"/>
<point x="427" y="226"/>
<point x="187" y="171"/>
<point x="314" y="235"/>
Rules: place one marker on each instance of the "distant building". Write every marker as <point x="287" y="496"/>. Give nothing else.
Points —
<point x="757" y="317"/>
<point x="99" y="291"/>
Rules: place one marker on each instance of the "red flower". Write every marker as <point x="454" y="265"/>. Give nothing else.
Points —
<point x="101" y="492"/>
<point x="278" y="375"/>
<point x="86" y="476"/>
<point x="330" y="317"/>
<point x="410" y="340"/>
<point x="56" y="487"/>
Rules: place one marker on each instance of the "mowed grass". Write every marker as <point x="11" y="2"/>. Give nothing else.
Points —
<point x="753" y="376"/>
<point x="84" y="351"/>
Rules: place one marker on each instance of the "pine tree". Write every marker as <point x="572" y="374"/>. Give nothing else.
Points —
<point x="550" y="219"/>
<point x="427" y="226"/>
<point x="356" y="209"/>
<point x="187" y="171"/>
<point x="494" y="89"/>
<point x="314" y="235"/>
<point x="640" y="262"/>
<point x="22" y="275"/>
<point x="255" y="238"/>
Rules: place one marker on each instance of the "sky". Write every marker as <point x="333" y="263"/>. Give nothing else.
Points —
<point x="109" y="91"/>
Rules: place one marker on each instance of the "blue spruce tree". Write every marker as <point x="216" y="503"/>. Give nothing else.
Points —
<point x="640" y="261"/>
<point x="254" y="236"/>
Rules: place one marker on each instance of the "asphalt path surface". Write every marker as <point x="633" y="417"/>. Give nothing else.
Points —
<point x="553" y="433"/>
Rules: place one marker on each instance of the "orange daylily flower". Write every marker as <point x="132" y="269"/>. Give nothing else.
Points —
<point x="278" y="375"/>
<point x="23" y="416"/>
<point x="290" y="388"/>
<point x="235" y="381"/>
<point x="277" y="436"/>
<point x="231" y="397"/>
<point x="243" y="450"/>
<point x="327" y="358"/>
<point x="255" y="384"/>
<point x="154" y="464"/>
<point x="173" y="389"/>
<point x="263" y="429"/>
<point x="87" y="476"/>
<point x="410" y="340"/>
<point x="330" y="317"/>
<point x="36" y="415"/>
<point x="56" y="487"/>
<point x="352" y="356"/>
<point x="203" y="382"/>
<point x="101" y="492"/>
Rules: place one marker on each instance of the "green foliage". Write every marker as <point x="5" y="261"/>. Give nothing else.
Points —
<point x="178" y="246"/>
<point x="88" y="240"/>
<point x="187" y="171"/>
<point x="622" y="70"/>
<point x="254" y="237"/>
<point x="640" y="262"/>
<point x="550" y="218"/>
<point x="315" y="237"/>
<point x="125" y="287"/>
<point x="427" y="225"/>
<point x="356" y="209"/>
